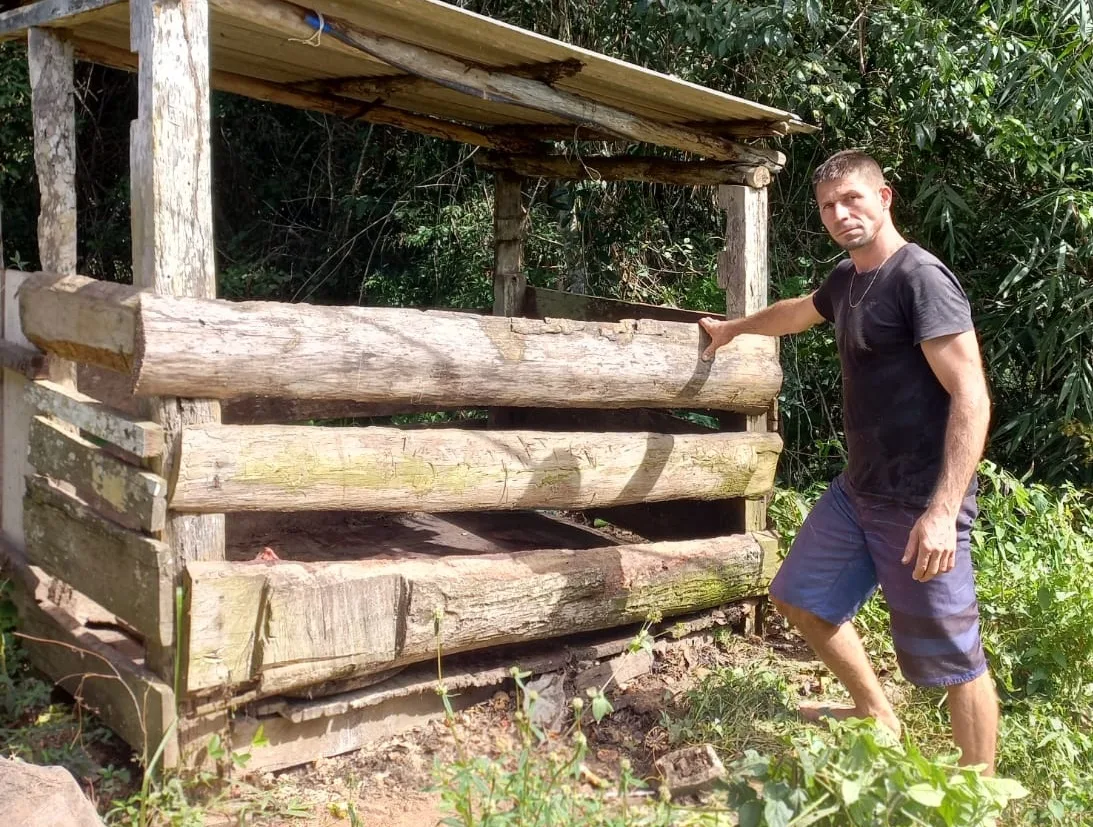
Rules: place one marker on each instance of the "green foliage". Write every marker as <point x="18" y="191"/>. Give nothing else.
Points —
<point x="858" y="774"/>
<point x="1033" y="551"/>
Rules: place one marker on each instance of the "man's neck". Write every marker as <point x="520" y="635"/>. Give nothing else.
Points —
<point x="878" y="251"/>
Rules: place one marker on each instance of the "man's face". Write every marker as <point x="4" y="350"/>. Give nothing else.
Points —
<point x="853" y="209"/>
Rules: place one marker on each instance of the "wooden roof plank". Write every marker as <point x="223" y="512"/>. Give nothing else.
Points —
<point x="15" y="22"/>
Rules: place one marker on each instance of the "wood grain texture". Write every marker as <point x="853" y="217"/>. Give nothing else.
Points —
<point x="140" y="438"/>
<point x="742" y="271"/>
<point x="125" y="572"/>
<point x="497" y="85"/>
<point x="15" y="21"/>
<point x="170" y="170"/>
<point x="219" y="349"/>
<point x="449" y="360"/>
<point x="293" y="468"/>
<point x="509" y="231"/>
<point x="254" y="623"/>
<point x="15" y="422"/>
<point x="137" y="499"/>
<point x="80" y="319"/>
<point x="26" y="361"/>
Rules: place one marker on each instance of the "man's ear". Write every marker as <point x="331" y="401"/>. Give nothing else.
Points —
<point x="886" y="195"/>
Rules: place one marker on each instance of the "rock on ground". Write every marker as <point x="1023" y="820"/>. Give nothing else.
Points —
<point x="33" y="796"/>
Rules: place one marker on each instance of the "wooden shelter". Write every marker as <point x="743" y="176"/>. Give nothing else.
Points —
<point x="132" y="514"/>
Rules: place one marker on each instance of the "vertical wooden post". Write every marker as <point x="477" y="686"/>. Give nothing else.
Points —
<point x="509" y="232"/>
<point x="173" y="253"/>
<point x="53" y="108"/>
<point x="742" y="271"/>
<point x="509" y="280"/>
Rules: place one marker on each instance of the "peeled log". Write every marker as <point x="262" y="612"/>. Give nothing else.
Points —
<point x="292" y="468"/>
<point x="215" y="349"/>
<point x="291" y="625"/>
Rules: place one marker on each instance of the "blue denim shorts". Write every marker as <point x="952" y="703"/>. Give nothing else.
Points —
<point x="850" y="544"/>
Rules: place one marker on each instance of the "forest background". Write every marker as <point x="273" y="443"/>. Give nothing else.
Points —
<point x="982" y="116"/>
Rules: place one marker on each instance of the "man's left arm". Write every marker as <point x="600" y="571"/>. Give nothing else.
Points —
<point x="956" y="363"/>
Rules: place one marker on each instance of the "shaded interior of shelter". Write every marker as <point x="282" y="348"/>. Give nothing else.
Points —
<point x="324" y="536"/>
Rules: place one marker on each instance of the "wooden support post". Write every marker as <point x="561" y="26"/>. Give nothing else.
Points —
<point x="54" y="115"/>
<point x="742" y="271"/>
<point x="509" y="280"/>
<point x="172" y="209"/>
<point x="509" y="232"/>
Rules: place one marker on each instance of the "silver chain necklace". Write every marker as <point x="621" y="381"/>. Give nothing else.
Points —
<point x="876" y="272"/>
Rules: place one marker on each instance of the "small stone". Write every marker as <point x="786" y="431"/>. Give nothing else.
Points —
<point x="691" y="770"/>
<point x="550" y="708"/>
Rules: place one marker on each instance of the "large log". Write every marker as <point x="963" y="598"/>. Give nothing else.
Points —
<point x="294" y="468"/>
<point x="219" y="349"/>
<point x="291" y="625"/>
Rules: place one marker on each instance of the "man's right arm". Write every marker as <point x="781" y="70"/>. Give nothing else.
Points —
<point x="780" y="319"/>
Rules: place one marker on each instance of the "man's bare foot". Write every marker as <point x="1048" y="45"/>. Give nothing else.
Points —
<point x="814" y="713"/>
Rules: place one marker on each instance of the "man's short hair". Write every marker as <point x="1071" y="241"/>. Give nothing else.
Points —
<point x="846" y="163"/>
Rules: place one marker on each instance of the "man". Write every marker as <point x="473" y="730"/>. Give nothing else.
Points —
<point x="916" y="412"/>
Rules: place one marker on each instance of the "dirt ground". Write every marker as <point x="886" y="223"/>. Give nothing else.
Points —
<point x="389" y="784"/>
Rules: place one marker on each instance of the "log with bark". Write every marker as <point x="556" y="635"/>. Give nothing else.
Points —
<point x="216" y="349"/>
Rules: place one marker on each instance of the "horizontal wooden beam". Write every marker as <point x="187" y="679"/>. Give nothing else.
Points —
<point x="627" y="168"/>
<point x="15" y="22"/>
<point x="131" y="496"/>
<point x="543" y="303"/>
<point x="306" y="468"/>
<point x="493" y="85"/>
<point x="135" y="436"/>
<point x="84" y="320"/>
<point x="728" y="129"/>
<point x="107" y="55"/>
<point x="123" y="571"/>
<point x="258" y="625"/>
<point x="129" y="699"/>
<point x="216" y="349"/>
<point x="23" y="360"/>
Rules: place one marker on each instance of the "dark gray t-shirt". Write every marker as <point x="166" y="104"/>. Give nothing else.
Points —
<point x="895" y="411"/>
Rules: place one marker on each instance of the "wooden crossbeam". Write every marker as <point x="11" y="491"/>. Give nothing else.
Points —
<point x="107" y="55"/>
<point x="23" y="360"/>
<point x="215" y="349"/>
<point x="494" y="85"/>
<point x="627" y="168"/>
<point x="378" y="615"/>
<point x="14" y="22"/>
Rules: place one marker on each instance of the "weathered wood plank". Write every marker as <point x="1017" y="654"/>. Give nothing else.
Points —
<point x="133" y="702"/>
<point x="742" y="271"/>
<point x="394" y="355"/>
<point x="132" y="497"/>
<point x="170" y="159"/>
<point x="495" y="85"/>
<point x="290" y="468"/>
<point x="137" y="437"/>
<point x="123" y="571"/>
<point x="542" y="303"/>
<point x="264" y="617"/>
<point x="237" y="84"/>
<point x="49" y="12"/>
<point x="626" y="168"/>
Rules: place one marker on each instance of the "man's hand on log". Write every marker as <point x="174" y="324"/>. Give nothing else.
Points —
<point x="720" y="331"/>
